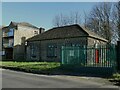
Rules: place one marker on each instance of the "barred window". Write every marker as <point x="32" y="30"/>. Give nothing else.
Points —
<point x="51" y="50"/>
<point x="33" y="51"/>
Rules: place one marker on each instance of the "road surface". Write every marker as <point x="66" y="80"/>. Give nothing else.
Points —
<point x="14" y="79"/>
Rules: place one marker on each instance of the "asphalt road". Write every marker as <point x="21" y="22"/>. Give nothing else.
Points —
<point x="14" y="79"/>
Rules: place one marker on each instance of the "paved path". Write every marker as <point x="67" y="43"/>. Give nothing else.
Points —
<point x="14" y="79"/>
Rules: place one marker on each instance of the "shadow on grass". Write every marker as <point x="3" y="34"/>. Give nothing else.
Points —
<point x="115" y="82"/>
<point x="83" y="71"/>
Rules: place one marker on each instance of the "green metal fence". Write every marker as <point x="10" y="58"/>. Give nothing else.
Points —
<point x="102" y="56"/>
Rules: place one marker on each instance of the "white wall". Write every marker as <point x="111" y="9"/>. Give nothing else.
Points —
<point x="23" y="31"/>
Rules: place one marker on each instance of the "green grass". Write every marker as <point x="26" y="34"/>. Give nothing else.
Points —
<point x="38" y="67"/>
<point x="115" y="79"/>
<point x="116" y="76"/>
<point x="44" y="68"/>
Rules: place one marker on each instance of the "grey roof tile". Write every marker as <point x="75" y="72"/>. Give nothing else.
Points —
<point x="65" y="32"/>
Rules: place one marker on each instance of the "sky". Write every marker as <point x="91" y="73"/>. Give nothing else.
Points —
<point x="0" y="14"/>
<point x="59" y="0"/>
<point x="41" y="14"/>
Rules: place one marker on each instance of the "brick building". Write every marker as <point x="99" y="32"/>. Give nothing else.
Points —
<point x="47" y="46"/>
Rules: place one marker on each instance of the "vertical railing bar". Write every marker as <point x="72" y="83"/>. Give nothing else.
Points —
<point x="94" y="64"/>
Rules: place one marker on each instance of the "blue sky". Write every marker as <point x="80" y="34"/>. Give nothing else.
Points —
<point x="41" y="14"/>
<point x="0" y="14"/>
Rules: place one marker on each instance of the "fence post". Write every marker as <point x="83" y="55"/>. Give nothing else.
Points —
<point x="62" y="55"/>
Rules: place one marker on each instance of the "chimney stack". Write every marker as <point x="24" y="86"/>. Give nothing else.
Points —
<point x="41" y="30"/>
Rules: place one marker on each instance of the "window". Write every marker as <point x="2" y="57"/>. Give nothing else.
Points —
<point x="11" y="41"/>
<point x="33" y="51"/>
<point x="52" y="50"/>
<point x="10" y="33"/>
<point x="35" y="32"/>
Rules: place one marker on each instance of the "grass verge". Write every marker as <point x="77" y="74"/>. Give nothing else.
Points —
<point x="116" y="79"/>
<point x="54" y="68"/>
<point x="33" y="67"/>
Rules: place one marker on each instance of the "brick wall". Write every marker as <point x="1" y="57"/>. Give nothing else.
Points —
<point x="42" y="48"/>
<point x="92" y="41"/>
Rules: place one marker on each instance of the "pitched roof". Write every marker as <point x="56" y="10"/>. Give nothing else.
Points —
<point x="65" y="32"/>
<point x="2" y="27"/>
<point x="23" y="24"/>
<point x="93" y="34"/>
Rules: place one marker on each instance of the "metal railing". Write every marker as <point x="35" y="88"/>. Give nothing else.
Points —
<point x="8" y="34"/>
<point x="89" y="59"/>
<point x="8" y="45"/>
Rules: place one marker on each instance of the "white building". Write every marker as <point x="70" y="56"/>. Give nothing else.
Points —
<point x="14" y="36"/>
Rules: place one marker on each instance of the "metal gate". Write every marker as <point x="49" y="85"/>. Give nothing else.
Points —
<point x="73" y="55"/>
<point x="100" y="59"/>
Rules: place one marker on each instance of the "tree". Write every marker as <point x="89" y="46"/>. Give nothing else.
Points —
<point x="118" y="8"/>
<point x="116" y="22"/>
<point x="62" y="20"/>
<point x="116" y="18"/>
<point x="99" y="20"/>
<point x="85" y="19"/>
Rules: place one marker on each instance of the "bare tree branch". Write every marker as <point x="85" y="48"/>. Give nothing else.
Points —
<point x="99" y="20"/>
<point x="62" y="20"/>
